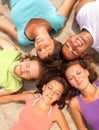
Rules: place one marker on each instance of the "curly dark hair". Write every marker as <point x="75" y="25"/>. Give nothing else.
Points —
<point x="87" y="63"/>
<point x="58" y="77"/>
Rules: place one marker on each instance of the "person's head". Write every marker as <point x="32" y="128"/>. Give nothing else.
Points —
<point x="48" y="49"/>
<point x="80" y="73"/>
<point x="53" y="88"/>
<point x="77" y="45"/>
<point x="29" y="68"/>
<point x="45" y="45"/>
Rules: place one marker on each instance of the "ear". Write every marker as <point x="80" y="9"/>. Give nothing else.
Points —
<point x="43" y="88"/>
<point x="83" y="54"/>
<point x="87" y="72"/>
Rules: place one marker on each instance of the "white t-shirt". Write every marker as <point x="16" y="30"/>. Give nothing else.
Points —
<point x="88" y="18"/>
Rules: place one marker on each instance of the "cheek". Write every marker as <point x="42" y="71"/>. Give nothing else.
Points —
<point x="56" y="98"/>
<point x="71" y="82"/>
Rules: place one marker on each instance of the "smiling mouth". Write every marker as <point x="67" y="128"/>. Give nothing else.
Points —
<point x="50" y="98"/>
<point x="74" y="47"/>
<point x="73" y="51"/>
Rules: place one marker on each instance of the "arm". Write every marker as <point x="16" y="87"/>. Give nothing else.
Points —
<point x="4" y="92"/>
<point x="16" y="97"/>
<point x="66" y="8"/>
<point x="8" y="28"/>
<point x="60" y="119"/>
<point x="4" y="44"/>
<point x="76" y="114"/>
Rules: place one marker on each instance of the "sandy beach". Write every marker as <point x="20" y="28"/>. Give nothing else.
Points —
<point x="9" y="112"/>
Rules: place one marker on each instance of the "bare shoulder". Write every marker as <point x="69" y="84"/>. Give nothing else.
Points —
<point x="57" y="114"/>
<point x="74" y="103"/>
<point x="60" y="118"/>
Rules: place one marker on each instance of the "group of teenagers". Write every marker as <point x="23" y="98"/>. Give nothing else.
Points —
<point x="65" y="70"/>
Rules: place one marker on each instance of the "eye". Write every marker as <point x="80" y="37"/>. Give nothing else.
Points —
<point x="47" y="48"/>
<point x="67" y="44"/>
<point x="49" y="87"/>
<point x="70" y="78"/>
<point x="79" y="72"/>
<point x="28" y="72"/>
<point x="28" y="65"/>
<point x="57" y="93"/>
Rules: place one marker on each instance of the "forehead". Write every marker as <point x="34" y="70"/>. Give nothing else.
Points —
<point x="73" y="68"/>
<point x="34" y="64"/>
<point x="57" y="85"/>
<point x="35" y="69"/>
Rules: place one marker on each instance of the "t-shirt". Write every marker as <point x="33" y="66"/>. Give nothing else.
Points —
<point x="8" y="80"/>
<point x="88" y="18"/>
<point x="22" y="12"/>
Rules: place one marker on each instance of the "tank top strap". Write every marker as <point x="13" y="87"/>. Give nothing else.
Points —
<point x="33" y="99"/>
<point x="79" y="97"/>
<point x="52" y="110"/>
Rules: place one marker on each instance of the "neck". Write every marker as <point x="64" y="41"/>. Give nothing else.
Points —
<point x="36" y="27"/>
<point x="42" y="107"/>
<point x="89" y="91"/>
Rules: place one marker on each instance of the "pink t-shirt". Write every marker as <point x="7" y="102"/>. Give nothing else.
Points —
<point x="28" y="120"/>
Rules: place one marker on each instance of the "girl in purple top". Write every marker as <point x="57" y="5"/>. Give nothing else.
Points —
<point x="85" y="106"/>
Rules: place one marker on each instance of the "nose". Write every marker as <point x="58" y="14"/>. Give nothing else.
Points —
<point x="73" y="42"/>
<point x="74" y="45"/>
<point x="76" y="78"/>
<point x="25" y="69"/>
<point x="51" y="93"/>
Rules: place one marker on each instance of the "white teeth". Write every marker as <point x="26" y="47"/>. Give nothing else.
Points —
<point x="75" y="53"/>
<point x="79" y="42"/>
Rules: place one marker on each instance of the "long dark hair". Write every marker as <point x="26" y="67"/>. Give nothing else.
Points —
<point x="87" y="63"/>
<point x="58" y="77"/>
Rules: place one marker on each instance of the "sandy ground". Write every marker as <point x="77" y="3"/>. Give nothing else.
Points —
<point x="9" y="112"/>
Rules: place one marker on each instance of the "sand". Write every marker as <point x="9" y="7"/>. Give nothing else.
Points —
<point x="9" y="112"/>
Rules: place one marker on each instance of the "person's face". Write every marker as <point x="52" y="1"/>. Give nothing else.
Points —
<point x="75" y="46"/>
<point x="77" y="76"/>
<point x="52" y="91"/>
<point x="27" y="69"/>
<point x="44" y="47"/>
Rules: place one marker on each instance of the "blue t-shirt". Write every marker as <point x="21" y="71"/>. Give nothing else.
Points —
<point x="22" y="12"/>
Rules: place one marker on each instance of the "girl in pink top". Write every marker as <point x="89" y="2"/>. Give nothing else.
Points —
<point x="41" y="110"/>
